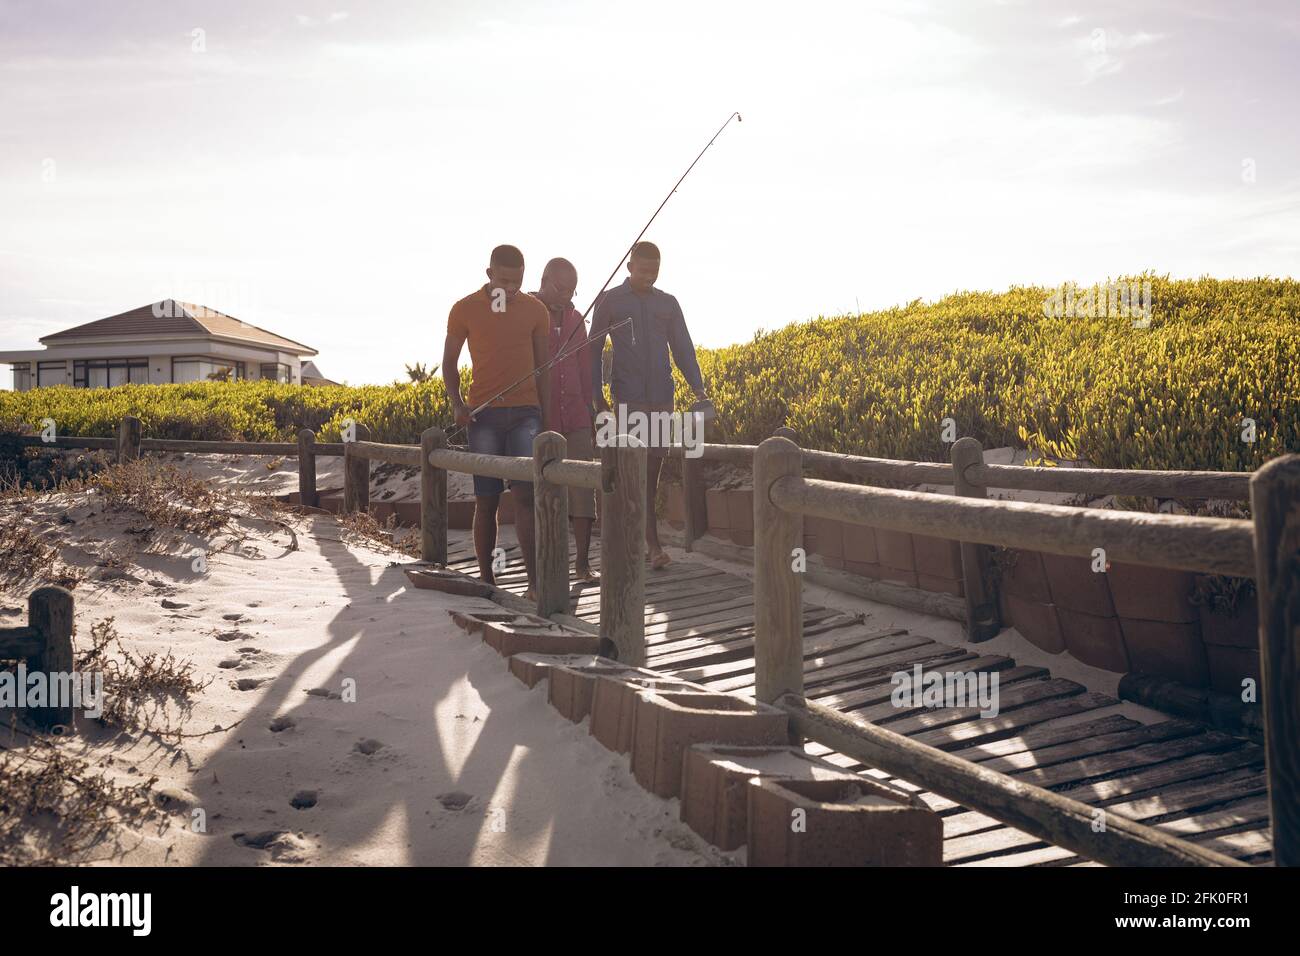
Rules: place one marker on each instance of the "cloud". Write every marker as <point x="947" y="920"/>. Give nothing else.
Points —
<point x="1100" y="46"/>
<point x="338" y="16"/>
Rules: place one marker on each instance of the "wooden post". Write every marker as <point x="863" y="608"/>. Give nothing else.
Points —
<point x="307" y="469"/>
<point x="128" y="439"/>
<point x="356" y="475"/>
<point x="1275" y="503"/>
<point x="622" y="552"/>
<point x="693" y="499"/>
<point x="550" y="527"/>
<point x="433" y="499"/>
<point x="778" y="588"/>
<point x="982" y="618"/>
<point x="49" y="612"/>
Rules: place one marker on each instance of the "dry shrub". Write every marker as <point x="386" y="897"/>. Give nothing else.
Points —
<point x="370" y="531"/>
<point x="164" y="495"/>
<point x="138" y="687"/>
<point x="53" y="810"/>
<point x="25" y="557"/>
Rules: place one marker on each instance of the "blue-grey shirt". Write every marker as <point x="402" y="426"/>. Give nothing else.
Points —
<point x="641" y="369"/>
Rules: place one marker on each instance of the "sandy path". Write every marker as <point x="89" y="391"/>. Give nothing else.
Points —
<point x="443" y="758"/>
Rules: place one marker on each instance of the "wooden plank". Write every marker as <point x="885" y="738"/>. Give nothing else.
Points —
<point x="551" y="530"/>
<point x="868" y="671"/>
<point x="962" y="847"/>
<point x="1046" y="736"/>
<point x="778" y="589"/>
<point x="433" y="498"/>
<point x="875" y="712"/>
<point x="1005" y="724"/>
<point x="1093" y="745"/>
<point x="1115" y="481"/>
<point x="879" y="676"/>
<point x="1209" y="545"/>
<point x="1027" y="690"/>
<point x="983" y="620"/>
<point x="307" y="469"/>
<point x="1099" y="768"/>
<point x="671" y="652"/>
<point x="1275" y="503"/>
<point x="848" y="639"/>
<point x="1048" y="816"/>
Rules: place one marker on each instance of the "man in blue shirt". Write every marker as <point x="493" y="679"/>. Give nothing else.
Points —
<point x="642" y="378"/>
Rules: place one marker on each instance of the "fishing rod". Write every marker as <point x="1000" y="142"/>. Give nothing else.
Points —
<point x="561" y="353"/>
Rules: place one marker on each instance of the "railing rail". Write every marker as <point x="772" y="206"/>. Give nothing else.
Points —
<point x="1208" y="545"/>
<point x="1269" y="551"/>
<point x="1230" y="485"/>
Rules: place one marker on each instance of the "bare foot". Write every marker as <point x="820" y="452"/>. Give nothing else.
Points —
<point x="586" y="574"/>
<point x="660" y="560"/>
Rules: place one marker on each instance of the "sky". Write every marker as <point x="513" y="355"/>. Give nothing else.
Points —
<point x="338" y="172"/>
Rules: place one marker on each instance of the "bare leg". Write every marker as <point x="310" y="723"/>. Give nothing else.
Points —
<point x="485" y="534"/>
<point x="651" y="519"/>
<point x="582" y="535"/>
<point x="524" y="530"/>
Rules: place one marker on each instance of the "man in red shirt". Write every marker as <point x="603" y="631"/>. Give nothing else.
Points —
<point x="506" y="332"/>
<point x="570" y="411"/>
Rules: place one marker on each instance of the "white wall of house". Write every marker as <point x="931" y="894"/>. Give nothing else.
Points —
<point x="180" y="356"/>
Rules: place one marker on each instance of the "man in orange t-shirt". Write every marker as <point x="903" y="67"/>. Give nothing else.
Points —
<point x="509" y="335"/>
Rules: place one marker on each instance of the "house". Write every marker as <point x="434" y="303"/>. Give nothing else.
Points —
<point x="311" y="375"/>
<point x="165" y="341"/>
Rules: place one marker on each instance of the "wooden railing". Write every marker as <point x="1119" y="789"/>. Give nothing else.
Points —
<point x="972" y="478"/>
<point x="1267" y="549"/>
<point x="619" y="476"/>
<point x="45" y="644"/>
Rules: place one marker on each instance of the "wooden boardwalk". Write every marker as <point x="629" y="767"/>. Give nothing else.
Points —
<point x="1198" y="784"/>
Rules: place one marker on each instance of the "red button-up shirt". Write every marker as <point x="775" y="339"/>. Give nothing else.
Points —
<point x="571" y="393"/>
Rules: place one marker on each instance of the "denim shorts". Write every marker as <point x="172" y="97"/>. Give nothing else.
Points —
<point x="504" y="431"/>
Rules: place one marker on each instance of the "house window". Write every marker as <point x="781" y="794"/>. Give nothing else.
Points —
<point x="22" y="376"/>
<point x="51" y="373"/>
<point x="203" y="369"/>
<point x="276" y="372"/>
<point x="105" y="373"/>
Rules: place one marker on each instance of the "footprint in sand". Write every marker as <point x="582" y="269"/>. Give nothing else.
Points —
<point x="235" y="635"/>
<point x="230" y="662"/>
<point x="303" y="800"/>
<point x="324" y="692"/>
<point x="282" y="723"/>
<point x="237" y="616"/>
<point x="455" y="800"/>
<point x="173" y="605"/>
<point x="368" y="746"/>
<point x="284" y="847"/>
<point x="248" y="683"/>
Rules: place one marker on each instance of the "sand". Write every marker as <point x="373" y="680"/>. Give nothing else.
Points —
<point x="443" y="758"/>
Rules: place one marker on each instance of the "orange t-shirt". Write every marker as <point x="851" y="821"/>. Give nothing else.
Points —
<point x="501" y="345"/>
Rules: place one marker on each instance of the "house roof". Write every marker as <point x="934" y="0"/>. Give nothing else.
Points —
<point x="170" y="317"/>
<point x="310" y="371"/>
